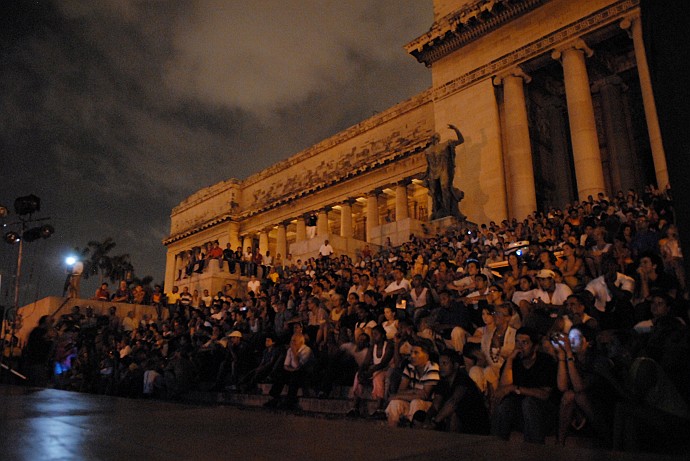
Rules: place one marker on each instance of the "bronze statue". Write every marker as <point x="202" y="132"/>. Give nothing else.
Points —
<point x="440" y="158"/>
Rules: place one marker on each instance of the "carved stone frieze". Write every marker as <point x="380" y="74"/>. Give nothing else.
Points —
<point x="340" y="168"/>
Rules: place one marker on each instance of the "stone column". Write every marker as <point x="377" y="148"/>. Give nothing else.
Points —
<point x="322" y="223"/>
<point x="346" y="219"/>
<point x="401" y="203"/>
<point x="522" y="193"/>
<point x="263" y="241"/>
<point x="617" y="139"/>
<point x="172" y="263"/>
<point x="246" y="242"/>
<point x="234" y="234"/>
<point x="281" y="240"/>
<point x="583" y="129"/>
<point x="372" y="213"/>
<point x="634" y="26"/>
<point x="301" y="231"/>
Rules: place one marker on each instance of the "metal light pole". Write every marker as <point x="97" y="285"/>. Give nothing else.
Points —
<point x="23" y="206"/>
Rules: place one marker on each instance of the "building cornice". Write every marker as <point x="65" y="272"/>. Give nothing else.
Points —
<point x="404" y="151"/>
<point x="198" y="228"/>
<point x="469" y="23"/>
<point x="546" y="44"/>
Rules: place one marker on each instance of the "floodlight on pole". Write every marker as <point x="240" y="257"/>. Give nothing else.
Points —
<point x="23" y="206"/>
<point x="28" y="204"/>
<point x="12" y="237"/>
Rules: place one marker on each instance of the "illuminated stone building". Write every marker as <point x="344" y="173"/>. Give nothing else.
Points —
<point x="553" y="98"/>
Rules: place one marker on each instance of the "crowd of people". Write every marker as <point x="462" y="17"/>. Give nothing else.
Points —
<point x="571" y="320"/>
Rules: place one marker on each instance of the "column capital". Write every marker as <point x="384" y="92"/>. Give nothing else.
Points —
<point x="514" y="72"/>
<point x="375" y="192"/>
<point x="349" y="201"/>
<point x="285" y="223"/>
<point x="325" y="209"/>
<point x="404" y="182"/>
<point x="628" y="21"/>
<point x="576" y="44"/>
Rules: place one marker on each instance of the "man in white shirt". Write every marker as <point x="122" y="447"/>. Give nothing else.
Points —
<point x="547" y="301"/>
<point x="612" y="294"/>
<point x="128" y="323"/>
<point x="362" y="286"/>
<point x="399" y="286"/>
<point x="326" y="250"/>
<point x="75" y="279"/>
<point x="254" y="285"/>
<point x="295" y="372"/>
<point x="207" y="299"/>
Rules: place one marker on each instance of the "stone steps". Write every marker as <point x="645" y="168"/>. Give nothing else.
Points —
<point x="338" y="403"/>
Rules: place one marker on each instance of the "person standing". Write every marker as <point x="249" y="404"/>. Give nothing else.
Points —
<point x="311" y="225"/>
<point x="326" y="250"/>
<point x="38" y="351"/>
<point x="75" y="279"/>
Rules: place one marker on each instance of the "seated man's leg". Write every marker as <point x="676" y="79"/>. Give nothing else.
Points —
<point x="395" y="410"/>
<point x="281" y="378"/>
<point x="478" y="375"/>
<point x="296" y="380"/>
<point x="418" y="405"/>
<point x="536" y="415"/>
<point x="458" y="338"/>
<point x="505" y="416"/>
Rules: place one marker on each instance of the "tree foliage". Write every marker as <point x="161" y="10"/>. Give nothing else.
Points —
<point x="98" y="261"/>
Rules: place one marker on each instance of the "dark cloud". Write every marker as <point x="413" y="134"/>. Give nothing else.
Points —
<point x="115" y="111"/>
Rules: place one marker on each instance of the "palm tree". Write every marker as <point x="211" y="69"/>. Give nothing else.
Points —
<point x="100" y="262"/>
<point x="120" y="267"/>
<point x="144" y="281"/>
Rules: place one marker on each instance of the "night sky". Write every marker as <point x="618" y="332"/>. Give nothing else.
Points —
<point x="114" y="111"/>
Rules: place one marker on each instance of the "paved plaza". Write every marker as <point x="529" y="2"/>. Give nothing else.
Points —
<point x="46" y="424"/>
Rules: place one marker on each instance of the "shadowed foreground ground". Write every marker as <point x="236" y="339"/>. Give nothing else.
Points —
<point x="46" y="424"/>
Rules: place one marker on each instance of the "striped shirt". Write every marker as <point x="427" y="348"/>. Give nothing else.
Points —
<point x="429" y="375"/>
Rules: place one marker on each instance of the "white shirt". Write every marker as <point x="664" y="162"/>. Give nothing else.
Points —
<point x="254" y="285"/>
<point x="78" y="268"/>
<point x="326" y="250"/>
<point x="560" y="294"/>
<point x="295" y="362"/>
<point x="394" y="286"/>
<point x="422" y="299"/>
<point x="601" y="293"/>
